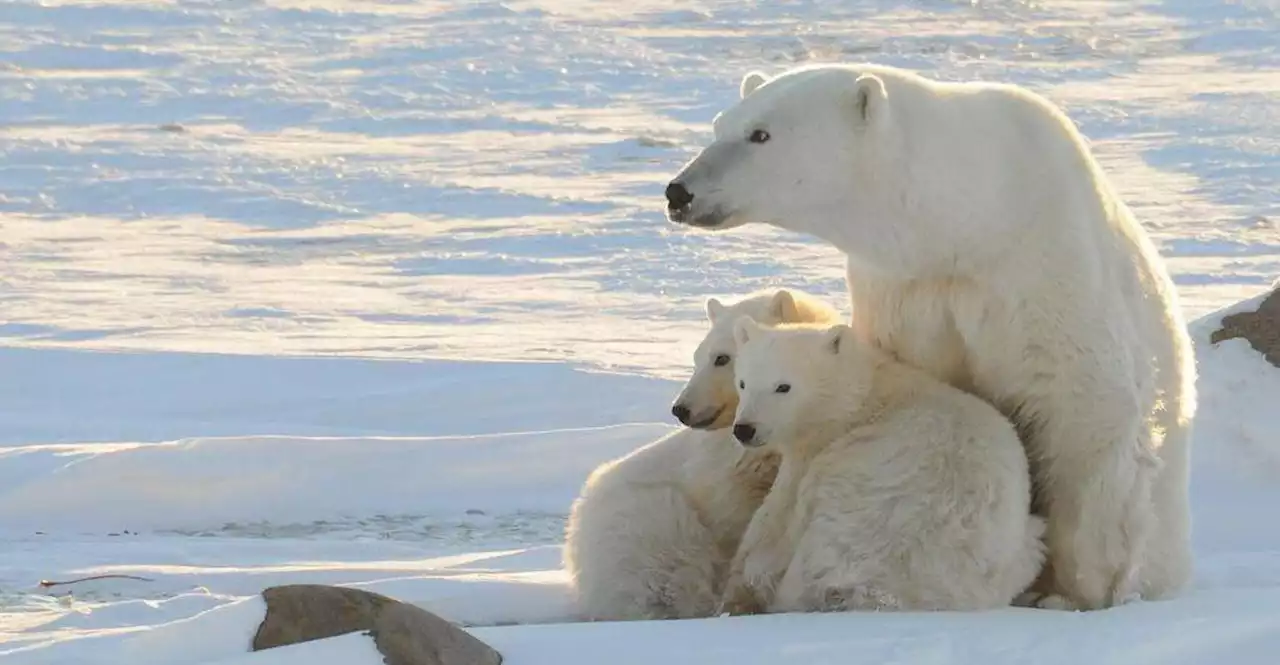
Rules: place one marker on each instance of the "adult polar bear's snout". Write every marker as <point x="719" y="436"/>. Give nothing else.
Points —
<point x="702" y="174"/>
<point x="695" y="197"/>
<point x="777" y="159"/>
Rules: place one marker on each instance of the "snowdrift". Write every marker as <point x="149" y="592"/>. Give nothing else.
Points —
<point x="1231" y="613"/>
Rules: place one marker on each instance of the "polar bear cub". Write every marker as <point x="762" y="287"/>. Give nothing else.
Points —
<point x="896" y="491"/>
<point x="652" y="533"/>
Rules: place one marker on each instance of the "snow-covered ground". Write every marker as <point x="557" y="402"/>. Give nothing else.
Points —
<point x="358" y="292"/>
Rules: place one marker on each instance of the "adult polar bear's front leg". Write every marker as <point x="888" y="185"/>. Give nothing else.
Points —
<point x="1093" y="458"/>
<point x="1100" y="514"/>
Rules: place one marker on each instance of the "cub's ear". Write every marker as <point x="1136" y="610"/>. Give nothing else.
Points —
<point x="837" y="338"/>
<point x="744" y="329"/>
<point x="714" y="309"/>
<point x="869" y="97"/>
<point x="750" y="82"/>
<point x="784" y="307"/>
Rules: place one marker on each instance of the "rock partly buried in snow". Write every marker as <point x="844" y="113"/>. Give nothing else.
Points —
<point x="409" y="635"/>
<point x="304" y="612"/>
<point x="404" y="634"/>
<point x="1261" y="328"/>
<point x="1237" y="438"/>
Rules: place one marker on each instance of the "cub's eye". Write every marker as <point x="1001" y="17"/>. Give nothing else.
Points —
<point x="758" y="136"/>
<point x="722" y="360"/>
<point x="783" y="388"/>
<point x="742" y="385"/>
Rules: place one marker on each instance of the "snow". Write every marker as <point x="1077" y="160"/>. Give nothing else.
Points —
<point x="359" y="292"/>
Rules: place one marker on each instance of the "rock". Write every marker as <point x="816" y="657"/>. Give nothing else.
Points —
<point x="409" y="635"/>
<point x="404" y="634"/>
<point x="1261" y="328"/>
<point x="305" y="612"/>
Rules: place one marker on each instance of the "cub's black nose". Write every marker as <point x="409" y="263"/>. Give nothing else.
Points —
<point x="677" y="196"/>
<point x="681" y="412"/>
<point x="744" y="433"/>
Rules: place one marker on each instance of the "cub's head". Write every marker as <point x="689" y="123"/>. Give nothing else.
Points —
<point x="786" y="153"/>
<point x="709" y="399"/>
<point x="791" y="380"/>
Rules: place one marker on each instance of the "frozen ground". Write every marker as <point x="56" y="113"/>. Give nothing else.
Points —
<point x="358" y="292"/>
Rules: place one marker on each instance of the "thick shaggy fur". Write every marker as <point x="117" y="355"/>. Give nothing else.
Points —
<point x="652" y="533"/>
<point x="896" y="491"/>
<point x="986" y="246"/>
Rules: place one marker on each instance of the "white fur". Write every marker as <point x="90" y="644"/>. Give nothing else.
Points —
<point x="986" y="246"/>
<point x="896" y="491"/>
<point x="652" y="533"/>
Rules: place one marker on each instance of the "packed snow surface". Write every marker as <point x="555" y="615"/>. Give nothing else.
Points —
<point x="359" y="292"/>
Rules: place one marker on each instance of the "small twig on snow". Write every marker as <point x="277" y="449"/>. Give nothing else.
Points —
<point x="49" y="583"/>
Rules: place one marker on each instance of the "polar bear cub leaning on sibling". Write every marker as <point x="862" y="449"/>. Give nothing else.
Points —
<point x="652" y="533"/>
<point x="895" y="490"/>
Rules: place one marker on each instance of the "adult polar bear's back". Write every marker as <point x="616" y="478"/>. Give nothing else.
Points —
<point x="986" y="246"/>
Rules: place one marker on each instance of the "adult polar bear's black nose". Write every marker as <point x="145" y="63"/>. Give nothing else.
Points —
<point x="681" y="412"/>
<point x="744" y="433"/>
<point x="677" y="196"/>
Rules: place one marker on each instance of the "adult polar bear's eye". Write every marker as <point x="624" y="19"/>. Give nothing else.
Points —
<point x="758" y="136"/>
<point x="721" y="360"/>
<point x="783" y="388"/>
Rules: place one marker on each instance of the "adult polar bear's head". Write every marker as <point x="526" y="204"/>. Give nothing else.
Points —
<point x="788" y="146"/>
<point x="829" y="150"/>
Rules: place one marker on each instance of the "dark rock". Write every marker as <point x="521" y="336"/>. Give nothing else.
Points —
<point x="1261" y="328"/>
<point x="404" y="634"/>
<point x="303" y="612"/>
<point x="409" y="635"/>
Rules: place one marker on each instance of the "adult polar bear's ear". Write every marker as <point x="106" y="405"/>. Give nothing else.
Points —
<point x="869" y="97"/>
<point x="714" y="309"/>
<point x="744" y="329"/>
<point x="750" y="82"/>
<point x="784" y="306"/>
<point x="837" y="337"/>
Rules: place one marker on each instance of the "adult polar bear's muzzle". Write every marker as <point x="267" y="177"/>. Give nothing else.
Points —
<point x="679" y="201"/>
<point x="684" y="207"/>
<point x="693" y="197"/>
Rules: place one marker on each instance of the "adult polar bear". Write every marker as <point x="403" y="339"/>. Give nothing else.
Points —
<point x="985" y="245"/>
